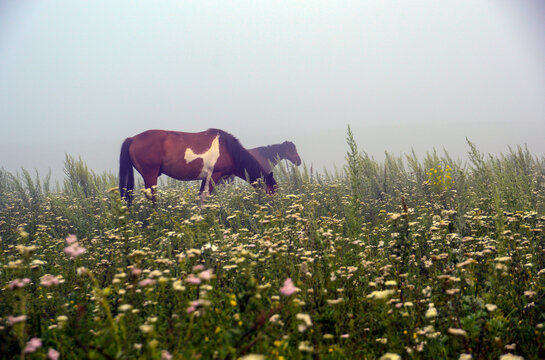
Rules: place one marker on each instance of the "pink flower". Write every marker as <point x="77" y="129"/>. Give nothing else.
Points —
<point x="198" y="267"/>
<point x="136" y="272"/>
<point x="74" y="250"/>
<point x="192" y="279"/>
<point x="165" y="355"/>
<point x="146" y="282"/>
<point x="12" y="320"/>
<point x="49" y="280"/>
<point x="195" y="304"/>
<point x="70" y="239"/>
<point x="207" y="274"/>
<point x="53" y="354"/>
<point x="289" y="288"/>
<point x="18" y="283"/>
<point x="33" y="345"/>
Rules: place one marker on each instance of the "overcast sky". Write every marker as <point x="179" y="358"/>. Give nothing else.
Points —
<point x="78" y="77"/>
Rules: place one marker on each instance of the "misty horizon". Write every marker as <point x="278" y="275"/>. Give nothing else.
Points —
<point x="78" y="78"/>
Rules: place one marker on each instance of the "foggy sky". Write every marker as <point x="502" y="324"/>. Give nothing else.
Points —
<point x="79" y="77"/>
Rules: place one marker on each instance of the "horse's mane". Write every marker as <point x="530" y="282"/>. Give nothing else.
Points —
<point x="242" y="159"/>
<point x="271" y="152"/>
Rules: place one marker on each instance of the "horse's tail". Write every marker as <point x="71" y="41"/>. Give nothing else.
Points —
<point x="126" y="174"/>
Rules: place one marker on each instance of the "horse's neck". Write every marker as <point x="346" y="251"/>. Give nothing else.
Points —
<point x="273" y="153"/>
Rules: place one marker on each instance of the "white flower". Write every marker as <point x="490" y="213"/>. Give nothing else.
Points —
<point x="390" y="356"/>
<point x="490" y="307"/>
<point x="510" y="356"/>
<point x="381" y="295"/>
<point x="456" y="331"/>
<point x="431" y="312"/>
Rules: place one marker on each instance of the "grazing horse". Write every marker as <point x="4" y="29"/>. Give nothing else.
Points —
<point x="269" y="156"/>
<point x="208" y="156"/>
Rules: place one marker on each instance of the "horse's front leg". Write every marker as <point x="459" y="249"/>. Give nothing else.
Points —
<point x="206" y="189"/>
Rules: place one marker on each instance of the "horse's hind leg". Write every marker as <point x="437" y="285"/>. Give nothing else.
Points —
<point x="150" y="181"/>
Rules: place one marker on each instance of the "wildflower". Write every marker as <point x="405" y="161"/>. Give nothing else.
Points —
<point x="431" y="312"/>
<point x="252" y="357"/>
<point x="289" y="288"/>
<point x="74" y="250"/>
<point x="209" y="246"/>
<point x="192" y="279"/>
<point x="49" y="280"/>
<point x="456" y="331"/>
<point x="165" y="355"/>
<point x="335" y="301"/>
<point x="195" y="304"/>
<point x="465" y="263"/>
<point x="125" y="307"/>
<point x="490" y="307"/>
<point x="136" y="272"/>
<point x="198" y="267"/>
<point x="71" y="239"/>
<point x="177" y="285"/>
<point x="465" y="357"/>
<point x="196" y="218"/>
<point x="145" y="328"/>
<point x="206" y="274"/>
<point x="146" y="282"/>
<point x="390" y="356"/>
<point x="15" y="264"/>
<point x="305" y="318"/>
<point x="33" y="345"/>
<point x="53" y="354"/>
<point x="305" y="346"/>
<point x="510" y="356"/>
<point x="390" y="283"/>
<point x="18" y="283"/>
<point x="530" y="293"/>
<point x="380" y="295"/>
<point x="155" y="273"/>
<point x="12" y="320"/>
<point x="26" y="250"/>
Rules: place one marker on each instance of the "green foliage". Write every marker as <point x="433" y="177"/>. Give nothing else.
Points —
<point x="82" y="182"/>
<point x="383" y="258"/>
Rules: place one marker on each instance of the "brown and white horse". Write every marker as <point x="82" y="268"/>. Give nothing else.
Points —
<point x="208" y="156"/>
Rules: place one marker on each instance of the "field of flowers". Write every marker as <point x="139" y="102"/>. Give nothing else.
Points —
<point x="400" y="259"/>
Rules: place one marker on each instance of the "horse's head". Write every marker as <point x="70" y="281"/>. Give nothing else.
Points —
<point x="290" y="153"/>
<point x="270" y="183"/>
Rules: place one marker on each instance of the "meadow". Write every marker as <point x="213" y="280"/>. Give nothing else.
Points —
<point x="405" y="258"/>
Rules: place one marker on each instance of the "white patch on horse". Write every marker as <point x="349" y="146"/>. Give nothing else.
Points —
<point x="209" y="158"/>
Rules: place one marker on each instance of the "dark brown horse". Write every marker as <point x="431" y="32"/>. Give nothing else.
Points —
<point x="269" y="156"/>
<point x="208" y="156"/>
